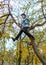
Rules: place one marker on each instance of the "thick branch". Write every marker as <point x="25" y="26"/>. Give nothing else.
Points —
<point x="18" y="24"/>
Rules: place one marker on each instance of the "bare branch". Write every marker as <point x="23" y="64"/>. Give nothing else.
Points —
<point x="4" y="15"/>
<point x="5" y="22"/>
<point x="1" y="23"/>
<point x="5" y="19"/>
<point x="37" y="25"/>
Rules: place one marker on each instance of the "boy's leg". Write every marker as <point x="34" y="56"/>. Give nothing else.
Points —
<point x="16" y="38"/>
<point x="28" y="34"/>
<point x="19" y="34"/>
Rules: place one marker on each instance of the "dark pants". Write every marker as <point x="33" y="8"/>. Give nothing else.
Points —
<point x="25" y="31"/>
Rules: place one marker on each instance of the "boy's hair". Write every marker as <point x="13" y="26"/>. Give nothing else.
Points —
<point x="23" y="14"/>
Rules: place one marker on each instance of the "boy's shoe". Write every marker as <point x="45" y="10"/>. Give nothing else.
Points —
<point x="13" y="39"/>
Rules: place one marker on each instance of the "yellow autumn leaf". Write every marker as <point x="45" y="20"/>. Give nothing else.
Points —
<point x="44" y="0"/>
<point x="1" y="20"/>
<point x="3" y="31"/>
<point x="2" y="5"/>
<point x="24" y="53"/>
<point x="7" y="35"/>
<point x="44" y="49"/>
<point x="0" y="34"/>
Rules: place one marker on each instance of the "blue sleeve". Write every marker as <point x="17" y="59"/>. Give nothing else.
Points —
<point x="27" y="21"/>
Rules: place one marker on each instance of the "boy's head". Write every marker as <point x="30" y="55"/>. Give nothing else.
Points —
<point x="23" y="15"/>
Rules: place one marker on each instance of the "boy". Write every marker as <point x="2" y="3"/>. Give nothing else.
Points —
<point x="26" y="24"/>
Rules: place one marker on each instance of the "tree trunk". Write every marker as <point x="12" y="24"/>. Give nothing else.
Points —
<point x="2" y="62"/>
<point x="44" y="64"/>
<point x="37" y="52"/>
<point x="32" y="59"/>
<point x="20" y="52"/>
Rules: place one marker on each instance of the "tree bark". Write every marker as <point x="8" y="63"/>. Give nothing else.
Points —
<point x="2" y="62"/>
<point x="20" y="52"/>
<point x="37" y="52"/>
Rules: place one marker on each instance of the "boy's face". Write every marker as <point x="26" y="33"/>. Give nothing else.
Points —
<point x="23" y="16"/>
